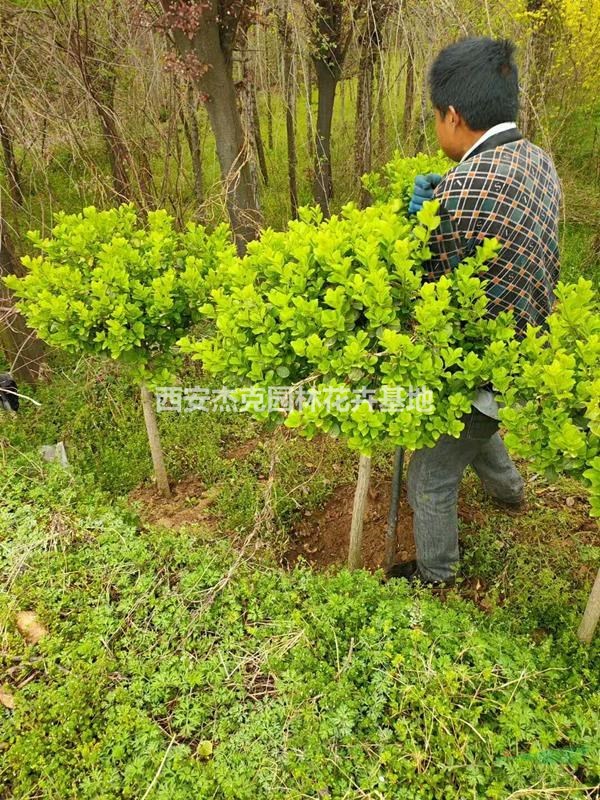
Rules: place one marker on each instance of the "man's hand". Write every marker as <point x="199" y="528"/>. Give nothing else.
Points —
<point x="423" y="190"/>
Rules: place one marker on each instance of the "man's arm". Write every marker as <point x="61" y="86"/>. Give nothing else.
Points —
<point x="461" y="222"/>
<point x="447" y="243"/>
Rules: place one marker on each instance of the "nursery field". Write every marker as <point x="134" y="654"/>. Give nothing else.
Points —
<point x="211" y="646"/>
<point x="216" y="304"/>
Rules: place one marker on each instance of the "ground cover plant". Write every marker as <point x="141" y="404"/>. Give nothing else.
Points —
<point x="156" y="676"/>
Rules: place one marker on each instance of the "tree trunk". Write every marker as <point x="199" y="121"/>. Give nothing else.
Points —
<point x="192" y="135"/>
<point x="364" y="111"/>
<point x="160" y="472"/>
<point x="327" y="83"/>
<point x="233" y="150"/>
<point x="269" y="119"/>
<point x="310" y="131"/>
<point x="243" y="88"/>
<point x="538" y="63"/>
<point x="233" y="154"/>
<point x="363" y="139"/>
<point x="391" y="536"/>
<point x="117" y="151"/>
<point x="100" y="81"/>
<point x="382" y="138"/>
<point x="409" y="99"/>
<point x="358" y="512"/>
<point x="289" y="94"/>
<point x="251" y="118"/>
<point x="290" y="127"/>
<point x="591" y="615"/>
<point x="258" y="140"/>
<point x="24" y="352"/>
<point x="330" y="39"/>
<point x="10" y="165"/>
<point x="143" y="172"/>
<point x="423" y="102"/>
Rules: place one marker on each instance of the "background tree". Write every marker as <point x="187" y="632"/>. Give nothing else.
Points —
<point x="288" y="78"/>
<point x="23" y="351"/>
<point x="331" y="26"/>
<point x="11" y="167"/>
<point x="544" y="20"/>
<point x="370" y="45"/>
<point x="189" y="115"/>
<point x="93" y="48"/>
<point x="247" y="88"/>
<point x="205" y="35"/>
<point x="57" y="118"/>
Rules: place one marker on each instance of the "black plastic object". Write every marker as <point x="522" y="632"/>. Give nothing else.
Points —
<point x="9" y="400"/>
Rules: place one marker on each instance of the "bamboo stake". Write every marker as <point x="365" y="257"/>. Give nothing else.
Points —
<point x="591" y="615"/>
<point x="160" y="472"/>
<point x="391" y="536"/>
<point x="358" y="512"/>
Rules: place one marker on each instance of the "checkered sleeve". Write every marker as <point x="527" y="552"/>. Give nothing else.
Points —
<point x="448" y="244"/>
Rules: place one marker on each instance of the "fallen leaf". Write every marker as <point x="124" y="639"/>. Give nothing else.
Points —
<point x="30" y="628"/>
<point x="7" y="699"/>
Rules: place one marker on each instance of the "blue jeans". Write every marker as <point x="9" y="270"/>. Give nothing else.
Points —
<point x="434" y="475"/>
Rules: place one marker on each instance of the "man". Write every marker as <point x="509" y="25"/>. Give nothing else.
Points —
<point x="503" y="187"/>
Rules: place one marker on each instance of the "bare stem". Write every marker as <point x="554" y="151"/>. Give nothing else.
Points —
<point x="358" y="512"/>
<point x="160" y="472"/>
<point x="591" y="615"/>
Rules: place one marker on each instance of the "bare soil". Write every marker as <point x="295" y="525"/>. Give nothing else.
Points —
<point x="190" y="504"/>
<point x="322" y="537"/>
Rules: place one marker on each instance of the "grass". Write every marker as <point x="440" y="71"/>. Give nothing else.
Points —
<point x="580" y="252"/>
<point x="538" y="565"/>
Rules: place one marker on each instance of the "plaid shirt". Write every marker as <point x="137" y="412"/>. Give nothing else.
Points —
<point x="509" y="191"/>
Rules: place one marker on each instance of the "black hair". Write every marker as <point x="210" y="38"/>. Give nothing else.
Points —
<point x="479" y="77"/>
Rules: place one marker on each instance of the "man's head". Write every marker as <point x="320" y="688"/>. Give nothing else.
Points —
<point x="474" y="85"/>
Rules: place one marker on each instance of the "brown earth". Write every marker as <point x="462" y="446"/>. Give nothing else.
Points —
<point x="190" y="504"/>
<point x="239" y="451"/>
<point x="322" y="537"/>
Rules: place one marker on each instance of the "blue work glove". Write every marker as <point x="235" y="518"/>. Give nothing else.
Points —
<point x="423" y="190"/>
